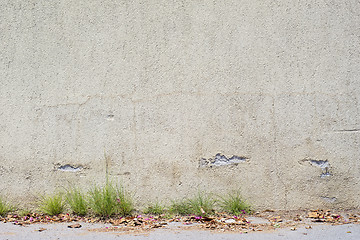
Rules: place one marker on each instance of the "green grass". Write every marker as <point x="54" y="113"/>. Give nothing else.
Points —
<point x="125" y="202"/>
<point x="77" y="201"/>
<point x="155" y="208"/>
<point x="201" y="204"/>
<point x="234" y="204"/>
<point x="5" y="208"/>
<point x="52" y="205"/>
<point x="180" y="207"/>
<point x="24" y="212"/>
<point x="110" y="200"/>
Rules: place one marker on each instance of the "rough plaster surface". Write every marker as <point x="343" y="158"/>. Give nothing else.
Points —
<point x="160" y="85"/>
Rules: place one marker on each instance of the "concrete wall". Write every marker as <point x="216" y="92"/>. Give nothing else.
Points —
<point x="260" y="95"/>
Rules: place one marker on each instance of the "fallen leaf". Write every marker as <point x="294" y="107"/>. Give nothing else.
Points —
<point x="77" y="225"/>
<point x="41" y="229"/>
<point x="313" y="214"/>
<point x="276" y="219"/>
<point x="207" y="219"/>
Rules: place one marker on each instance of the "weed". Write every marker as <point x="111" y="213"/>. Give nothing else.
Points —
<point x="180" y="207"/>
<point x="110" y="200"/>
<point x="234" y="204"/>
<point x="4" y="207"/>
<point x="201" y="204"/>
<point x="77" y="202"/>
<point x="155" y="208"/>
<point x="52" y="205"/>
<point x="24" y="212"/>
<point x="103" y="200"/>
<point x="125" y="202"/>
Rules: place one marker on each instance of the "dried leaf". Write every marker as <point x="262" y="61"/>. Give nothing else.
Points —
<point x="313" y="214"/>
<point x="77" y="225"/>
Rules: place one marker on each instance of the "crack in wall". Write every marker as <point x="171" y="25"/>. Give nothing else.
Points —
<point x="275" y="158"/>
<point x="348" y="130"/>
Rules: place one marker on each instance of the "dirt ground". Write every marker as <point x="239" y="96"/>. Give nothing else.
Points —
<point x="257" y="221"/>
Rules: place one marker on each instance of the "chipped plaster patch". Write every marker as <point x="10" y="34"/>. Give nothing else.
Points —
<point x="69" y="168"/>
<point x="110" y="117"/>
<point x="329" y="199"/>
<point x="320" y="163"/>
<point x="222" y="160"/>
<point x="324" y="165"/>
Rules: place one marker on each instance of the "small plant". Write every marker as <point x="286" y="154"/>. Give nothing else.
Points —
<point x="77" y="202"/>
<point x="4" y="207"/>
<point x="52" y="205"/>
<point x="234" y="204"/>
<point x="181" y="207"/>
<point x="155" y="208"/>
<point x="24" y="212"/>
<point x="125" y="202"/>
<point x="201" y="204"/>
<point x="110" y="200"/>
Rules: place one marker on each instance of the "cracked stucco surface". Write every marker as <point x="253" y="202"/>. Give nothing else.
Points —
<point x="159" y="85"/>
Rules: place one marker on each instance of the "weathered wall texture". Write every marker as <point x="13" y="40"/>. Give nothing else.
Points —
<point x="261" y="95"/>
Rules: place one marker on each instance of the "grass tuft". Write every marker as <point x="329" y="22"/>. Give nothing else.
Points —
<point x="24" y="212"/>
<point x="180" y="207"/>
<point x="234" y="204"/>
<point x="202" y="204"/>
<point x="5" y="207"/>
<point x="110" y="200"/>
<point x="155" y="208"/>
<point x="77" y="202"/>
<point x="125" y="202"/>
<point x="52" y="205"/>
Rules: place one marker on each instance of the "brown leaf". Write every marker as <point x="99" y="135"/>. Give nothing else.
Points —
<point x="313" y="214"/>
<point x="207" y="219"/>
<point x="117" y="222"/>
<point x="276" y="219"/>
<point x="156" y="226"/>
<point x="77" y="225"/>
<point x="41" y="229"/>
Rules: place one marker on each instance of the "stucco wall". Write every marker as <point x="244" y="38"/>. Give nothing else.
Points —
<point x="169" y="90"/>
